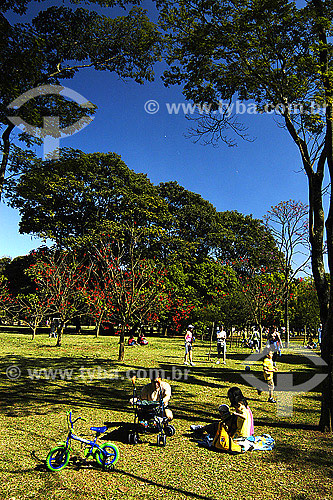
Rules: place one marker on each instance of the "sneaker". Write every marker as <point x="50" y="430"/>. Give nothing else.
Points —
<point x="271" y="400"/>
<point x="192" y="364"/>
<point x="224" y="362"/>
<point x="196" y="428"/>
<point x="185" y="363"/>
<point x="218" y="362"/>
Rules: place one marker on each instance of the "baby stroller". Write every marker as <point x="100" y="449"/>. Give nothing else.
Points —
<point x="149" y="417"/>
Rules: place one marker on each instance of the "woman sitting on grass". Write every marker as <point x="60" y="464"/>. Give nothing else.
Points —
<point x="131" y="340"/>
<point x="243" y="412"/>
<point x="238" y="425"/>
<point x="142" y="339"/>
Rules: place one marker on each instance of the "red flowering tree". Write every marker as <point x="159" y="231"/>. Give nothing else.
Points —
<point x="288" y="223"/>
<point x="176" y="311"/>
<point x="131" y="289"/>
<point x="63" y="278"/>
<point x="33" y="308"/>
<point x="99" y="302"/>
<point x="8" y="306"/>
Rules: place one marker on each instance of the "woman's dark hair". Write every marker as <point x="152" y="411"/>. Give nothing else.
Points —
<point x="235" y="396"/>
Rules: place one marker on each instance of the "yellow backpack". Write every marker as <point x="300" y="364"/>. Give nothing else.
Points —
<point x="222" y="441"/>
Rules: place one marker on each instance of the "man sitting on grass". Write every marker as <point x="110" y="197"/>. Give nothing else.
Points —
<point x="154" y="390"/>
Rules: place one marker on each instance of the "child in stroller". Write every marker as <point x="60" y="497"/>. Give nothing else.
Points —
<point x="150" y="412"/>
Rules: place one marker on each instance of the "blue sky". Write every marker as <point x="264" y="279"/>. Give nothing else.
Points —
<point x="249" y="178"/>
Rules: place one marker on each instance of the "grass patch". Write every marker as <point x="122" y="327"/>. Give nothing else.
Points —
<point x="33" y="419"/>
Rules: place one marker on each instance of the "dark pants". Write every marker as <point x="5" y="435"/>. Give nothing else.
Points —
<point x="221" y="347"/>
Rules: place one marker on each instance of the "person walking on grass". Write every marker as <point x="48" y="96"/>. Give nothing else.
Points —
<point x="269" y="370"/>
<point x="189" y="345"/>
<point x="221" y="336"/>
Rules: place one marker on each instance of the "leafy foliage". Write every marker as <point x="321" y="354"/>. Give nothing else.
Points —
<point x="81" y="194"/>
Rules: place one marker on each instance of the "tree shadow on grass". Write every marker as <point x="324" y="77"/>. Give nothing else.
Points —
<point x="29" y="396"/>
<point x="285" y="425"/>
<point x="79" y="464"/>
<point x="49" y="382"/>
<point x="313" y="457"/>
<point x="187" y="494"/>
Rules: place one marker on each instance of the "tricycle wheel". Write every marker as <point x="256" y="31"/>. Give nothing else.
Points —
<point x="169" y="430"/>
<point x="109" y="455"/>
<point x="161" y="440"/>
<point x="57" y="458"/>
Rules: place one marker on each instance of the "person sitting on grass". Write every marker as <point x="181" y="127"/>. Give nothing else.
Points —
<point x="131" y="340"/>
<point x="311" y="344"/>
<point x="242" y="412"/>
<point x="154" y="390"/>
<point x="237" y="425"/>
<point x="142" y="339"/>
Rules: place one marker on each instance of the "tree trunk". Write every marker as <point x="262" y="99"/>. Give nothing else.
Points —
<point x="260" y="339"/>
<point x="326" y="417"/>
<point x="211" y="341"/>
<point x="5" y="155"/>
<point x="286" y="316"/>
<point x="316" y="237"/>
<point x="121" y="354"/>
<point x="60" y="332"/>
<point x="98" y="326"/>
<point x="33" y="335"/>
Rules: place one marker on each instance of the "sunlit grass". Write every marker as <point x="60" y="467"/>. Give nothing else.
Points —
<point x="33" y="419"/>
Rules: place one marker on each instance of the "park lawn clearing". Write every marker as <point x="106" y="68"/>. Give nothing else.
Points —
<point x="97" y="387"/>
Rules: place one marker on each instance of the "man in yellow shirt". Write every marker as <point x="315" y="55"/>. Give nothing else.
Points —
<point x="269" y="370"/>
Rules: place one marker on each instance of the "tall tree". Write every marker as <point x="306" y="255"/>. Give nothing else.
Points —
<point x="61" y="276"/>
<point x="57" y="44"/>
<point x="190" y="229"/>
<point x="278" y="55"/>
<point x="133" y="286"/>
<point x="241" y="238"/>
<point x="289" y="225"/>
<point x="78" y="195"/>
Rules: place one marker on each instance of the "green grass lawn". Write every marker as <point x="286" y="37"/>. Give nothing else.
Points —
<point x="33" y="420"/>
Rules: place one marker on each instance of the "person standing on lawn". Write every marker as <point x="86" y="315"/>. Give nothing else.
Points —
<point x="221" y="336"/>
<point x="274" y="343"/>
<point x="189" y="345"/>
<point x="269" y="370"/>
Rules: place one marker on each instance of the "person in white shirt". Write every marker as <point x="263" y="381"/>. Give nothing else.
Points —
<point x="221" y="345"/>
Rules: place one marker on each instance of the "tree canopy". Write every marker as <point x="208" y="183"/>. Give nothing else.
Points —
<point x="82" y="194"/>
<point x="54" y="47"/>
